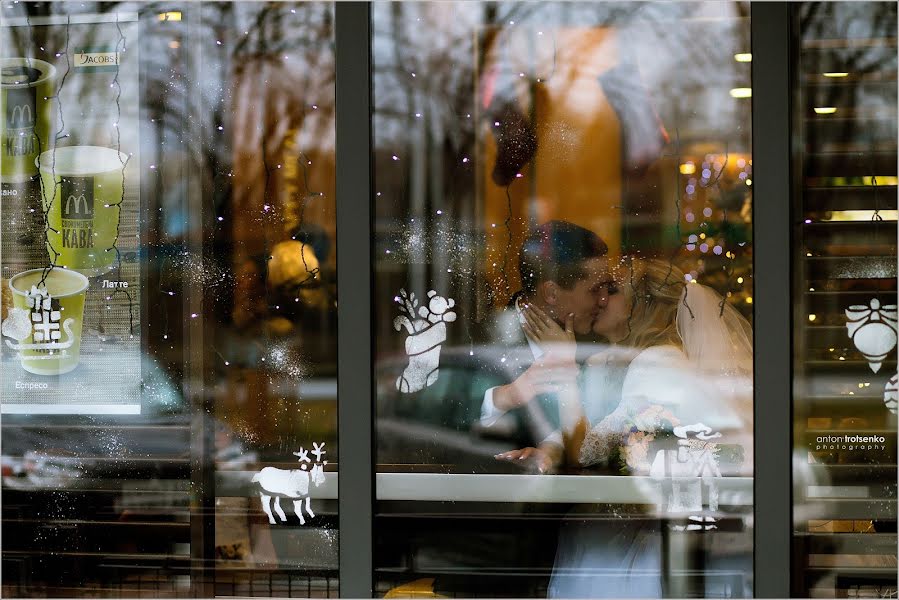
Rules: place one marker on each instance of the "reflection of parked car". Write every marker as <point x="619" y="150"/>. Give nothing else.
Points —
<point x="440" y="425"/>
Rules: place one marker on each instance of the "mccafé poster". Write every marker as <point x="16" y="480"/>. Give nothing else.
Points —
<point x="71" y="215"/>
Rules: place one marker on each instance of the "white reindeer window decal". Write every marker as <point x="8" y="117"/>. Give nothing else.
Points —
<point x="427" y="332"/>
<point x="292" y="484"/>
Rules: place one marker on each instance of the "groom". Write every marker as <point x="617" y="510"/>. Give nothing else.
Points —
<point x="564" y="272"/>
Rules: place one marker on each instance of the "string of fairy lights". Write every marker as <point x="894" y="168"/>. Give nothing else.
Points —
<point x="48" y="199"/>
<point x="120" y="48"/>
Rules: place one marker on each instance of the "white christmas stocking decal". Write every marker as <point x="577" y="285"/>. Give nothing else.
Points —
<point x="292" y="484"/>
<point x="889" y="395"/>
<point x="873" y="330"/>
<point x="42" y="324"/>
<point x="427" y="332"/>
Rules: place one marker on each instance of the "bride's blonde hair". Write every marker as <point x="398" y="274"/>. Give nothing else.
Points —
<point x="654" y="287"/>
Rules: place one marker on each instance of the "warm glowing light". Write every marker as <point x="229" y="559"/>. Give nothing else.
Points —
<point x="172" y="15"/>
<point x="749" y="300"/>
<point x="741" y="93"/>
<point x="836" y="74"/>
<point x="825" y="110"/>
<point x="860" y="215"/>
<point x="739" y="280"/>
<point x="812" y="317"/>
<point x="687" y="168"/>
<point x="879" y="180"/>
<point x="743" y="57"/>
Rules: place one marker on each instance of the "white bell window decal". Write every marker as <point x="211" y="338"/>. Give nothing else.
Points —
<point x="889" y="395"/>
<point x="873" y="330"/>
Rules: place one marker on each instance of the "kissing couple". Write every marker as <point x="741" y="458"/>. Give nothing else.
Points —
<point x="623" y="353"/>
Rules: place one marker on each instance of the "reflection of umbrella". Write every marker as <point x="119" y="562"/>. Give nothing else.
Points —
<point x="516" y="141"/>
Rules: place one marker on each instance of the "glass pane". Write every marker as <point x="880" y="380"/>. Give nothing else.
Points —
<point x="535" y="161"/>
<point x="844" y="468"/>
<point x="169" y="360"/>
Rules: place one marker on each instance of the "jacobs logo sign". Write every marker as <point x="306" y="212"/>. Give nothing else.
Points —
<point x="97" y="59"/>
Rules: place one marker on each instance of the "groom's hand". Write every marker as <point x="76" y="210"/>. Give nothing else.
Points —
<point x="540" y="378"/>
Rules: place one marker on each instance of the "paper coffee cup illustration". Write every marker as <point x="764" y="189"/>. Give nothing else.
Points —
<point x="82" y="191"/>
<point x="44" y="325"/>
<point x="27" y="107"/>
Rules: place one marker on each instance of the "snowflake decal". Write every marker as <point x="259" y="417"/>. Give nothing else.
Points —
<point x="45" y="320"/>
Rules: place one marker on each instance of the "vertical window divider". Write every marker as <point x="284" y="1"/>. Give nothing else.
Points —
<point x="202" y="459"/>
<point x="355" y="387"/>
<point x="772" y="218"/>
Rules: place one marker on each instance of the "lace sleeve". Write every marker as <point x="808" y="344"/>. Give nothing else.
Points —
<point x="604" y="438"/>
<point x="656" y="376"/>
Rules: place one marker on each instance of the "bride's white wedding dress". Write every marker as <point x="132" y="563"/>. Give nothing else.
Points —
<point x="607" y="551"/>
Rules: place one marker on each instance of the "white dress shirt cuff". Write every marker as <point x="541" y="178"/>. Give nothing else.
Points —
<point x="554" y="438"/>
<point x="489" y="412"/>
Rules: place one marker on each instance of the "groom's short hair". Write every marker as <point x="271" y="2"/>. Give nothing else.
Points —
<point x="556" y="251"/>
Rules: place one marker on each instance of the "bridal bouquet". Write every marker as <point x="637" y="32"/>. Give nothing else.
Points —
<point x="648" y="428"/>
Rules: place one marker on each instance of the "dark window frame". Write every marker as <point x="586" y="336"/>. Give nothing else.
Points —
<point x="771" y="83"/>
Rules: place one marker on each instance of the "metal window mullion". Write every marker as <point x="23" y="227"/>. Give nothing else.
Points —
<point x="771" y="96"/>
<point x="355" y="389"/>
<point x="202" y="503"/>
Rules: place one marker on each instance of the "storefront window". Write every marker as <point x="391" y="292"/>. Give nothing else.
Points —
<point x="556" y="366"/>
<point x="844" y="258"/>
<point x="169" y="299"/>
<point x="543" y="165"/>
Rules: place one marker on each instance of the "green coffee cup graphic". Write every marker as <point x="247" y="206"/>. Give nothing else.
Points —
<point x="82" y="191"/>
<point x="26" y="105"/>
<point x="44" y="325"/>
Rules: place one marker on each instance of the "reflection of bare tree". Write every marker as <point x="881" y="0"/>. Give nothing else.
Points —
<point x="849" y="38"/>
<point x="432" y="75"/>
<point x="191" y="65"/>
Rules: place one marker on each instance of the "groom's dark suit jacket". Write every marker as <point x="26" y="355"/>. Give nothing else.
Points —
<point x="506" y="354"/>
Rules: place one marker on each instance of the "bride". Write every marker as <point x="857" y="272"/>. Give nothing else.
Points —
<point x="680" y="360"/>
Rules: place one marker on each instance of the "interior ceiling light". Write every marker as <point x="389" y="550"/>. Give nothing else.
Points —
<point x="741" y="93"/>
<point x="743" y="57"/>
<point x="825" y="110"/>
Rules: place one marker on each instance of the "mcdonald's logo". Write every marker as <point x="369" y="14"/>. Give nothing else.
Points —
<point x="21" y="117"/>
<point x="20" y="108"/>
<point x="79" y="202"/>
<point x="79" y="197"/>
